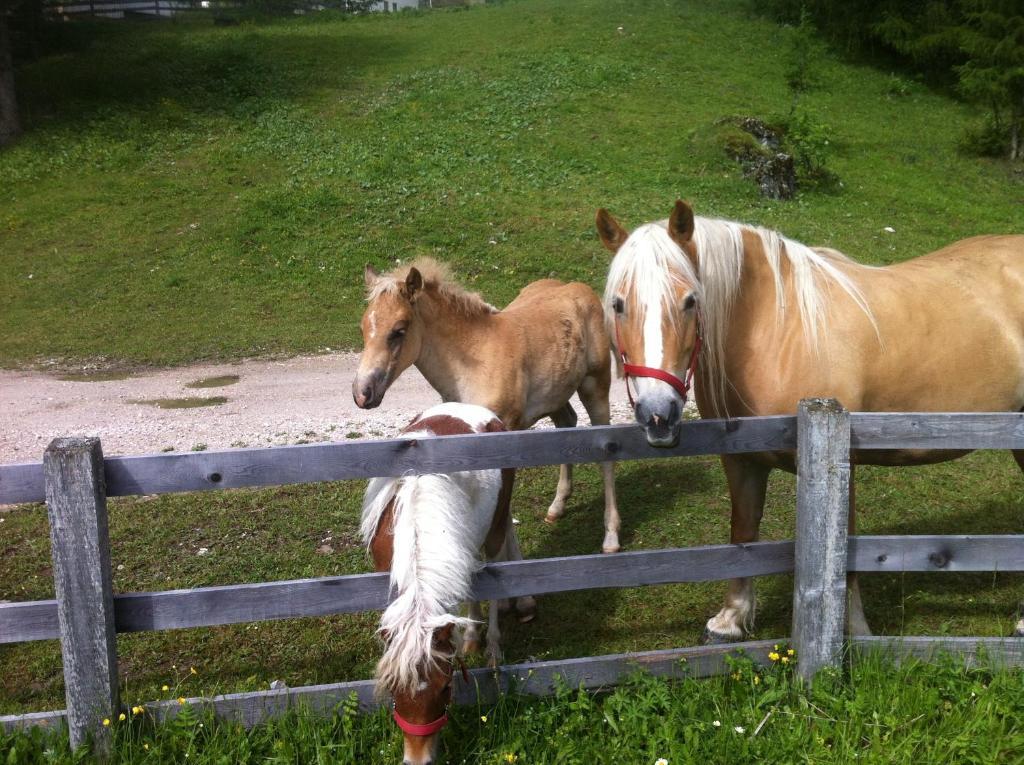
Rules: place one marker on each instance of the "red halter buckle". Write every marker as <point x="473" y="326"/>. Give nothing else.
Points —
<point x="682" y="387"/>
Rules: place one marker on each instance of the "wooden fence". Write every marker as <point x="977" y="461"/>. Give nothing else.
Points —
<point x="75" y="481"/>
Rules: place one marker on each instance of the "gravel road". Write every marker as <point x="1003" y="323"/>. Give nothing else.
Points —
<point x="303" y="399"/>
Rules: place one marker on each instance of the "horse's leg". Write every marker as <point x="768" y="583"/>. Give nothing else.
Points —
<point x="1018" y="630"/>
<point x="526" y="606"/>
<point x="471" y="633"/>
<point x="565" y="417"/>
<point x="856" y="623"/>
<point x="748" y="482"/>
<point x="595" y="400"/>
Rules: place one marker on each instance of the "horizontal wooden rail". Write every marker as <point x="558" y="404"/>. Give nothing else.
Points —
<point x="484" y="686"/>
<point x="539" y="678"/>
<point x="310" y="463"/>
<point x="937" y="430"/>
<point x="264" y="601"/>
<point x="325" y="596"/>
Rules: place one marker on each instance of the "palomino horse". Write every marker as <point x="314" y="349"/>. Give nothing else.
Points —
<point x="523" y="363"/>
<point x="778" y="321"/>
<point x="429" y="530"/>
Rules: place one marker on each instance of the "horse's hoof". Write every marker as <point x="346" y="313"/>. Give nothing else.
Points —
<point x="1018" y="631"/>
<point x="551" y="519"/>
<point x="710" y="637"/>
<point x="526" y="609"/>
<point x="610" y="550"/>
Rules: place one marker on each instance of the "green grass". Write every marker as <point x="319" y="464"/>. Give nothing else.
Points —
<point x="918" y="714"/>
<point x="188" y="191"/>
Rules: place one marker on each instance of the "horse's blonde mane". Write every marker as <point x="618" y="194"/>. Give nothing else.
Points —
<point x="650" y="262"/>
<point x="438" y="280"/>
<point x="433" y="562"/>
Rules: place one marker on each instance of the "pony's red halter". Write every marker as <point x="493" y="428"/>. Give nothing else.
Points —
<point x="682" y="387"/>
<point x="430" y="728"/>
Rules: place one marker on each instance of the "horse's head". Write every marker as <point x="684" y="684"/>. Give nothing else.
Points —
<point x="421" y="708"/>
<point x="651" y="306"/>
<point x="391" y="335"/>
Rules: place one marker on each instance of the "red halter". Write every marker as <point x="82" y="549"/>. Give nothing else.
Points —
<point x="430" y="728"/>
<point x="682" y="387"/>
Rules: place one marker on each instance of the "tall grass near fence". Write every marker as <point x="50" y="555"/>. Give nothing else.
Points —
<point x="916" y="713"/>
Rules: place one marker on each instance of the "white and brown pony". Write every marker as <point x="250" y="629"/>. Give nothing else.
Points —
<point x="429" y="531"/>
<point x="778" y="321"/>
<point x="523" y="363"/>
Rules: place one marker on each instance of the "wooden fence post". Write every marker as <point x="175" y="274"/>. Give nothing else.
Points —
<point x="822" y="510"/>
<point x="77" y="505"/>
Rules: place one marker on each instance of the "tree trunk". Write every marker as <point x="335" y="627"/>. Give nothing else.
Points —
<point x="10" y="124"/>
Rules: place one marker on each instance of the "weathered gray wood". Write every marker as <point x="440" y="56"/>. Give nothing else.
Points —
<point x="894" y="554"/>
<point x="30" y="620"/>
<point x="310" y="463"/>
<point x="231" y="604"/>
<point x="22" y="482"/>
<point x="80" y="546"/>
<point x="820" y="553"/>
<point x="937" y="430"/>
<point x="484" y="687"/>
<point x="55" y="719"/>
<point x="1006" y="652"/>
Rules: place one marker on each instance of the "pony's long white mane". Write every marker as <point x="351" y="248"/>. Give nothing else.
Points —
<point x="435" y="556"/>
<point x="651" y="263"/>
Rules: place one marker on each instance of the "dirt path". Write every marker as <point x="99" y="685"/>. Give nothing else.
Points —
<point x="296" y="400"/>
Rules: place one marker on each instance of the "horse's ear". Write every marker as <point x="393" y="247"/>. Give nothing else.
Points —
<point x="680" y="223"/>
<point x="413" y="283"/>
<point x="612" y="234"/>
<point x="370" y="276"/>
<point x="443" y="635"/>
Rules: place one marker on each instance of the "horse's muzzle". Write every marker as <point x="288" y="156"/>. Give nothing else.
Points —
<point x="368" y="390"/>
<point x="662" y="424"/>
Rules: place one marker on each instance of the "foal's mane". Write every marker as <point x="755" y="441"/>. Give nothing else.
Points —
<point x="650" y="262"/>
<point x="433" y="562"/>
<point x="437" y="279"/>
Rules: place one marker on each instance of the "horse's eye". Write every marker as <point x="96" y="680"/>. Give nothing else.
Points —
<point x="397" y="334"/>
<point x="617" y="305"/>
<point x="689" y="302"/>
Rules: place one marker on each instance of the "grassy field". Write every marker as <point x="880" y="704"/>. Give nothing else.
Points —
<point x="188" y="192"/>
<point x="914" y="714"/>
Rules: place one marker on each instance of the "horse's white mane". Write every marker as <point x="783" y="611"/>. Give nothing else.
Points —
<point x="435" y="556"/>
<point x="650" y="262"/>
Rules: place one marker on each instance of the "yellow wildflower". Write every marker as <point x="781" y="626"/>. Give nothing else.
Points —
<point x="757" y="679"/>
<point x="192" y="671"/>
<point x="511" y="757"/>
<point x="736" y="676"/>
<point x="165" y="687"/>
<point x="122" y="717"/>
<point x="483" y="718"/>
<point x="106" y="722"/>
<point x="785" y="660"/>
<point x="773" y="656"/>
<point x="791" y="652"/>
<point x="146" y="747"/>
<point x="181" y="699"/>
<point x="138" y="710"/>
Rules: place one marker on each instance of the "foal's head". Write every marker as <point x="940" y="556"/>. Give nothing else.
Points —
<point x="391" y="334"/>
<point x="651" y="305"/>
<point x="421" y="706"/>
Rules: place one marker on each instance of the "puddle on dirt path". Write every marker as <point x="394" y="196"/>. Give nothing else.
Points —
<point x="190" y="402"/>
<point x="97" y="376"/>
<point x="214" y="382"/>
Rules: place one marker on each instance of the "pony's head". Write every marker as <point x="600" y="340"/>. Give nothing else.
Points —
<point x="391" y="334"/>
<point x="421" y="696"/>
<point x="652" y="301"/>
